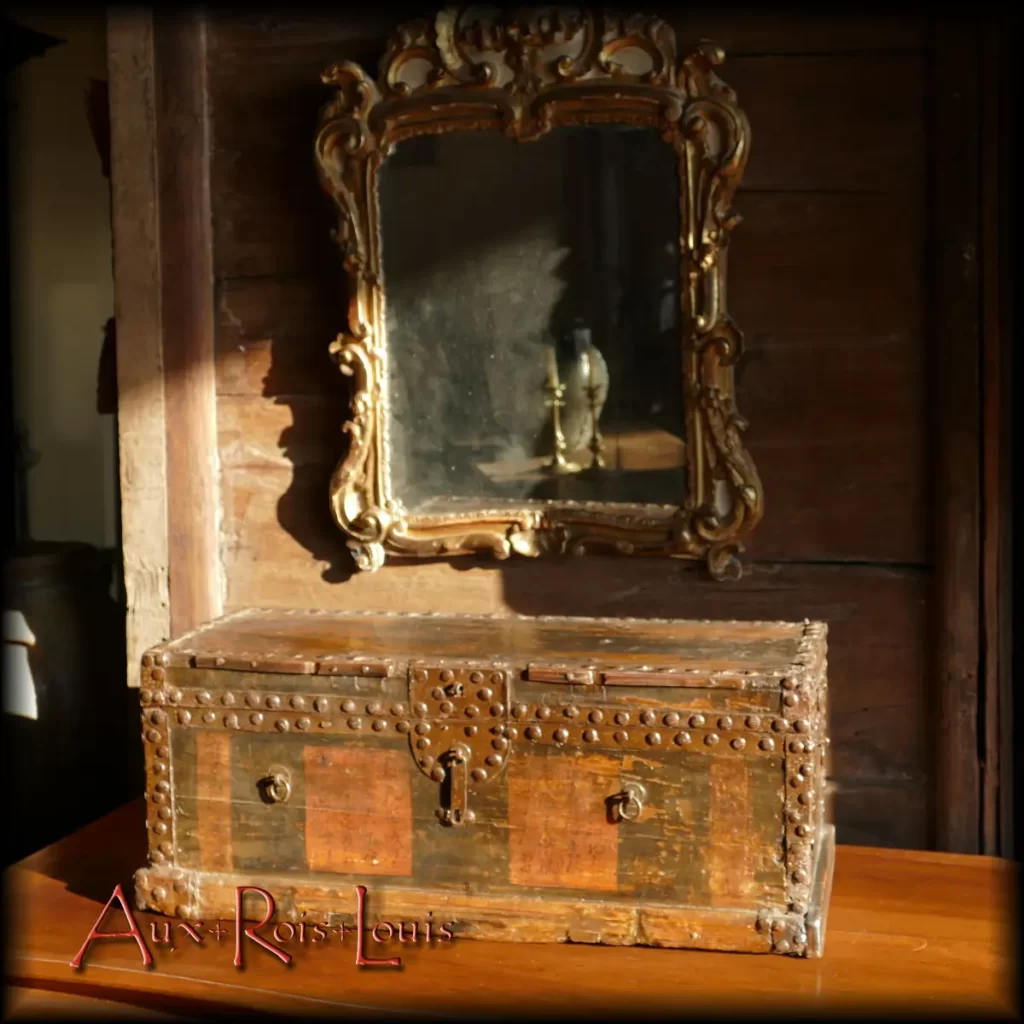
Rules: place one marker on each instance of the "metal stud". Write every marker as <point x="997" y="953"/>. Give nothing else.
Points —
<point x="671" y="719"/>
<point x="355" y="722"/>
<point x="422" y="743"/>
<point x="419" y="676"/>
<point x="497" y="678"/>
<point x="476" y="677"/>
<point x="561" y="735"/>
<point x="790" y="700"/>
<point x="273" y="701"/>
<point x="348" y="706"/>
<point x="472" y="711"/>
<point x="446" y="707"/>
<point x="711" y="739"/>
<point x="379" y="725"/>
<point x="725" y="722"/>
<point x="479" y="774"/>
<point x="209" y="717"/>
<point x="738" y="743"/>
<point x="801" y="725"/>
<point x="157" y="717"/>
<point x="596" y="717"/>
<point x="175" y="696"/>
<point x="302" y="723"/>
<point x="796" y="746"/>
<point x="497" y="710"/>
<point x="543" y="712"/>
<point x="437" y="773"/>
<point x="153" y="736"/>
<point x="399" y="710"/>
<point x="500" y="743"/>
<point x="421" y="709"/>
<point x="782" y="946"/>
<point x="753" y="722"/>
<point x="231" y="721"/>
<point x="402" y="727"/>
<point x="779" y="725"/>
<point x="470" y="730"/>
<point x="321" y="704"/>
<point x="622" y="718"/>
<point x="158" y="674"/>
<point x="146" y="696"/>
<point x="648" y="717"/>
<point x="590" y="735"/>
<point x="252" y="699"/>
<point x="485" y="693"/>
<point x="653" y="738"/>
<point x="227" y="699"/>
<point x="422" y="728"/>
<point x="282" y="725"/>
<point x="299" y="703"/>
<point x="184" y="717"/>
<point x="682" y="739"/>
<point x="532" y="732"/>
<point x="437" y="693"/>
<point x="696" y="721"/>
<point x="621" y="737"/>
<point x="572" y="712"/>
<point x="160" y="828"/>
<point x="494" y="760"/>
<point x="800" y="876"/>
<point x="446" y="675"/>
<point x="520" y="711"/>
<point x="159" y="768"/>
<point x="767" y="743"/>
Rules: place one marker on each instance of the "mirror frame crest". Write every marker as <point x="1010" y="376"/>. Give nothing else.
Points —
<point x="523" y="74"/>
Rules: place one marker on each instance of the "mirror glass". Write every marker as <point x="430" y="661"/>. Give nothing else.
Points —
<point x="532" y="314"/>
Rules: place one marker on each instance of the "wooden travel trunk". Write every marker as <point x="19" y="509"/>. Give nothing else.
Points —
<point x="546" y="779"/>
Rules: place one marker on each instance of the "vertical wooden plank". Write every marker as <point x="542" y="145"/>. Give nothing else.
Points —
<point x="559" y="833"/>
<point x="955" y="326"/>
<point x="213" y="799"/>
<point x="732" y="855"/>
<point x="358" y="810"/>
<point x="187" y="318"/>
<point x="141" y="413"/>
<point x="998" y="196"/>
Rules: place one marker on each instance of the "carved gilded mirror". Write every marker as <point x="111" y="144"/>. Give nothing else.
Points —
<point x="534" y="210"/>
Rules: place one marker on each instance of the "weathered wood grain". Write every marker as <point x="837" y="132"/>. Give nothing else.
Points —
<point x="212" y="793"/>
<point x="358" y="810"/>
<point x="141" y="410"/>
<point x="560" y="834"/>
<point x="186" y="311"/>
<point x="957" y="423"/>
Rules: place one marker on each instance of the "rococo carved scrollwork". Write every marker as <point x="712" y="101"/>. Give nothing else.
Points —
<point x="524" y="73"/>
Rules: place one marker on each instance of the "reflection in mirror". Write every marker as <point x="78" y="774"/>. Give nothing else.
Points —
<point x="533" y="319"/>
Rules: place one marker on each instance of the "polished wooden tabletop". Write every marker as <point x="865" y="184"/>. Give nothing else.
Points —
<point x="907" y="931"/>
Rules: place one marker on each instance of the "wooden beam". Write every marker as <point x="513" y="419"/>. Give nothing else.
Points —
<point x="137" y="304"/>
<point x="955" y="196"/>
<point x="997" y="326"/>
<point x="187" y="318"/>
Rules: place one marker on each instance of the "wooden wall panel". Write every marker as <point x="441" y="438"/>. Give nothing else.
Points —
<point x="828" y="280"/>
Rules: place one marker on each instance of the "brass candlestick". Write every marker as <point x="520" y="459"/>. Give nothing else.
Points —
<point x="596" y="444"/>
<point x="556" y="402"/>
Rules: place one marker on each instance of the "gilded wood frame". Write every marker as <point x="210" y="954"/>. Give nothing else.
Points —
<point x="524" y="74"/>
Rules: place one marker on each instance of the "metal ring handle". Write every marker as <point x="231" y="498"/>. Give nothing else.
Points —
<point x="277" y="787"/>
<point x="632" y="802"/>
